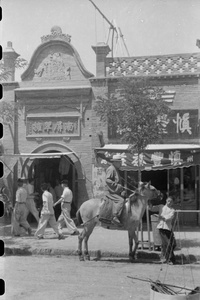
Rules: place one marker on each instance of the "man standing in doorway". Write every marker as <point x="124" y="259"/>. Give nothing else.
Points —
<point x="114" y="187"/>
<point x="65" y="218"/>
<point x="20" y="211"/>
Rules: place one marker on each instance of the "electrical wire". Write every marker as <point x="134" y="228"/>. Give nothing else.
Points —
<point x="95" y="16"/>
<point x="104" y="29"/>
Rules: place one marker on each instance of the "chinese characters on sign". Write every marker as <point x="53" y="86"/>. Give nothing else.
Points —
<point x="157" y="159"/>
<point x="138" y="160"/>
<point x="179" y="124"/>
<point x="182" y="124"/>
<point x="151" y="159"/>
<point x="53" y="126"/>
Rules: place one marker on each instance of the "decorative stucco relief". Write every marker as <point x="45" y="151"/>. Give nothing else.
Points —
<point x="56" y="66"/>
<point x="55" y="60"/>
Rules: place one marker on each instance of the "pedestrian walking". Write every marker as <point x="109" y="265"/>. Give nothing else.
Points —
<point x="166" y="216"/>
<point x="20" y="211"/>
<point x="30" y="202"/>
<point x="65" y="218"/>
<point x="47" y="214"/>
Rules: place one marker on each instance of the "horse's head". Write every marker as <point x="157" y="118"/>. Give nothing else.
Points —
<point x="148" y="190"/>
<point x="141" y="196"/>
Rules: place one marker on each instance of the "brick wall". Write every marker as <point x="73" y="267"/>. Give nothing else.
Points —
<point x="187" y="96"/>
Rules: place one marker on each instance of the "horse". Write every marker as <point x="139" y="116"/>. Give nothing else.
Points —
<point x="132" y="213"/>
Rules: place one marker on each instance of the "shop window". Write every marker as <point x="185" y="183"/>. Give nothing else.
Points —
<point x="175" y="185"/>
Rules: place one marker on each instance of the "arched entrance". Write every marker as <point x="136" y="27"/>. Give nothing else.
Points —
<point x="51" y="163"/>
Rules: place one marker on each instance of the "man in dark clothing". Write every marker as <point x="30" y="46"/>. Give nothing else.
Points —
<point x="114" y="188"/>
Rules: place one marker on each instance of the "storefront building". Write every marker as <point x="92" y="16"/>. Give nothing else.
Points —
<point x="57" y="135"/>
<point x="52" y="131"/>
<point x="172" y="166"/>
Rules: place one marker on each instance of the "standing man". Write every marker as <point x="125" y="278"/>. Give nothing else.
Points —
<point x="166" y="216"/>
<point x="47" y="214"/>
<point x="65" y="218"/>
<point x="20" y="211"/>
<point x="114" y="188"/>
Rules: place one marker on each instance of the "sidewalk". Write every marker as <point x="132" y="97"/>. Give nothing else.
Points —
<point x="102" y="243"/>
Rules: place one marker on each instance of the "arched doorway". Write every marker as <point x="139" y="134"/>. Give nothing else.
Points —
<point x="54" y="166"/>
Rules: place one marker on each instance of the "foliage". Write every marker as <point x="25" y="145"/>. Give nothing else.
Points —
<point x="8" y="110"/>
<point x="4" y="74"/>
<point x="136" y="110"/>
<point x="20" y="63"/>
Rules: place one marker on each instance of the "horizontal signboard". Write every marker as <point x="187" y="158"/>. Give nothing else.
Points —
<point x="51" y="126"/>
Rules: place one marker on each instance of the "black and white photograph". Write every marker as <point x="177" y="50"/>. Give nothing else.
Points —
<point x="100" y="151"/>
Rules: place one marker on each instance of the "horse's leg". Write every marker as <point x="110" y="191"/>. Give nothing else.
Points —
<point x="132" y="236"/>
<point x="80" y="241"/>
<point x="88" y="230"/>
<point x="136" y="244"/>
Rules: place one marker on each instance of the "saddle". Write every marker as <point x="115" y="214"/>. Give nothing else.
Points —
<point x="106" y="211"/>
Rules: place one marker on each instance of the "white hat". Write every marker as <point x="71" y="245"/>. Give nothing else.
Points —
<point x="117" y="157"/>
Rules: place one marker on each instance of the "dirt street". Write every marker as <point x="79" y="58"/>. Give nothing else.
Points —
<point x="51" y="278"/>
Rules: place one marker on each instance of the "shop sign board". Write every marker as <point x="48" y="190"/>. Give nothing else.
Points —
<point x="179" y="124"/>
<point x="159" y="159"/>
<point x="182" y="124"/>
<point x="52" y="126"/>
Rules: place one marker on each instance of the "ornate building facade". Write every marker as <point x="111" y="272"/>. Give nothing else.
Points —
<point x="56" y="133"/>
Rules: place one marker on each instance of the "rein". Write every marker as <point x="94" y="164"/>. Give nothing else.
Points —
<point x="83" y="224"/>
<point x="126" y="201"/>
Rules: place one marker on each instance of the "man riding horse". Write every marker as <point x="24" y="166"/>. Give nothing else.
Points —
<point x="114" y="188"/>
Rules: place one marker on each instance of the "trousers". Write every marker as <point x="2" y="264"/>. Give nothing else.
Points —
<point x="65" y="218"/>
<point x="118" y="203"/>
<point x="44" y="220"/>
<point x="31" y="208"/>
<point x="19" y="218"/>
<point x="168" y="244"/>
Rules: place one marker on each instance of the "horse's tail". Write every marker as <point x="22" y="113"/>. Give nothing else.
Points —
<point x="78" y="217"/>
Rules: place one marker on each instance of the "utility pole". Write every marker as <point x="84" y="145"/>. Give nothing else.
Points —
<point x="114" y="29"/>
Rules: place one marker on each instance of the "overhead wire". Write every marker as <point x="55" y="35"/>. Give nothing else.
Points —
<point x="104" y="29"/>
<point x="95" y="16"/>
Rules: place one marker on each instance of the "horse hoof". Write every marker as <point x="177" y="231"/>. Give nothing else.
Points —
<point x="81" y="258"/>
<point x="87" y="257"/>
<point x="131" y="258"/>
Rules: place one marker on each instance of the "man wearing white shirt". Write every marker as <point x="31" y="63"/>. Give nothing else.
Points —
<point x="65" y="218"/>
<point x="47" y="214"/>
<point x="20" y="211"/>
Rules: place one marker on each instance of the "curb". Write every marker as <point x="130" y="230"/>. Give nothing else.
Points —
<point x="142" y="256"/>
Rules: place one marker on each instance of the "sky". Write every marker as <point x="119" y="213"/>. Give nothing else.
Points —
<point x="149" y="27"/>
